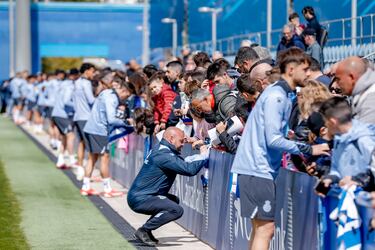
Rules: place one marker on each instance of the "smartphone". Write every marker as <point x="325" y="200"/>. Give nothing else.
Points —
<point x="229" y="122"/>
<point x="321" y="188"/>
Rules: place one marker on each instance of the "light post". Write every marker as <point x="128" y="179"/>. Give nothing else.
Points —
<point x="11" y="39"/>
<point x="145" y="34"/>
<point x="174" y="33"/>
<point x="214" y="12"/>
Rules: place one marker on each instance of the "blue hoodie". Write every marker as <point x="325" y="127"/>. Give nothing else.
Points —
<point x="59" y="108"/>
<point x="296" y="41"/>
<point x="15" y="87"/>
<point x="263" y="141"/>
<point x="29" y="92"/>
<point x="352" y="151"/>
<point x="159" y="171"/>
<point x="42" y="93"/>
<point x="83" y="99"/>
<point x="102" y="119"/>
<point x="52" y="89"/>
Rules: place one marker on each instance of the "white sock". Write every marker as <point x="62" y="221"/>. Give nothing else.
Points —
<point x="16" y="115"/>
<point x="86" y="183"/>
<point x="72" y="159"/>
<point x="60" y="158"/>
<point x="107" y="185"/>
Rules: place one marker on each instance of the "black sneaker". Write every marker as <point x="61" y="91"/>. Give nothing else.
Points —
<point x="152" y="237"/>
<point x="144" y="236"/>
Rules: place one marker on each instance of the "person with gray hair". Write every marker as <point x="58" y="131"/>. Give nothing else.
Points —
<point x="263" y="52"/>
<point x="216" y="107"/>
<point x="289" y="39"/>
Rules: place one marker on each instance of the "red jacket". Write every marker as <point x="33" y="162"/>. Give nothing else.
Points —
<point x="163" y="104"/>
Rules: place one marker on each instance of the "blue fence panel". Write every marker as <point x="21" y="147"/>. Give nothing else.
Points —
<point x="366" y="213"/>
<point x="212" y="213"/>
<point x="368" y="236"/>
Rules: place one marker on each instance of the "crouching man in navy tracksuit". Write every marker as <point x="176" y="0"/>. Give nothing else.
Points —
<point x="149" y="191"/>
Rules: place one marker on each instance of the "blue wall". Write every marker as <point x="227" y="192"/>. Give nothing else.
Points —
<point x="161" y="33"/>
<point x="246" y="16"/>
<point x="238" y="17"/>
<point x="78" y="30"/>
<point x="4" y="42"/>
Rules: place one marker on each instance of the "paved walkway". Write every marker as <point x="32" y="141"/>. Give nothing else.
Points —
<point x="171" y="236"/>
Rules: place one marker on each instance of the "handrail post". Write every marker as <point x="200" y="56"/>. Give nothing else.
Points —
<point x="269" y="23"/>
<point x="259" y="38"/>
<point x="361" y="28"/>
<point x="372" y="26"/>
<point x="354" y="23"/>
<point x="343" y="31"/>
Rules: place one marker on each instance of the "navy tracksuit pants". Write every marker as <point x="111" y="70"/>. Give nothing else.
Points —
<point x="163" y="209"/>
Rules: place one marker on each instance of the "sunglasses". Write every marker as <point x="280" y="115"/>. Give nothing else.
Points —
<point x="335" y="90"/>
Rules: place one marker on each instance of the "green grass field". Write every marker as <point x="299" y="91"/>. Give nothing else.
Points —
<point x="51" y="213"/>
<point x="11" y="235"/>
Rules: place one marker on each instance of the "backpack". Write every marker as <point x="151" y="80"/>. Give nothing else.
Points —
<point x="232" y="93"/>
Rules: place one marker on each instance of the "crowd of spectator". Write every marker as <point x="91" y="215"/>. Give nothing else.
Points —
<point x="310" y="37"/>
<point x="269" y="113"/>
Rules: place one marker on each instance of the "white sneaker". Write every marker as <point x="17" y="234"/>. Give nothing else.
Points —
<point x="80" y="173"/>
<point x="60" y="162"/>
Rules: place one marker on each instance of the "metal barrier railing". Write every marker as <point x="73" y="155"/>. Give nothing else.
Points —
<point x="212" y="212"/>
<point x="229" y="45"/>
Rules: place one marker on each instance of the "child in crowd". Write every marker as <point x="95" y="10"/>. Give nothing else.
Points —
<point x="163" y="97"/>
<point x="320" y="165"/>
<point x="354" y="145"/>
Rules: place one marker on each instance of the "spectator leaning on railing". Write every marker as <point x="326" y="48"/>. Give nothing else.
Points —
<point x="163" y="97"/>
<point x="173" y="73"/>
<point x="357" y="80"/>
<point x="245" y="59"/>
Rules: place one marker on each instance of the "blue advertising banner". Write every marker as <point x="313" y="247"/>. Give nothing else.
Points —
<point x="212" y="213"/>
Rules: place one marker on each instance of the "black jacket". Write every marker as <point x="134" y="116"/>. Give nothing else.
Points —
<point x="225" y="102"/>
<point x="314" y="24"/>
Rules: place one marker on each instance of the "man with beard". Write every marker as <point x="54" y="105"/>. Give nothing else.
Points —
<point x="245" y="59"/>
<point x="149" y="193"/>
<point x="263" y="142"/>
<point x="173" y="73"/>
